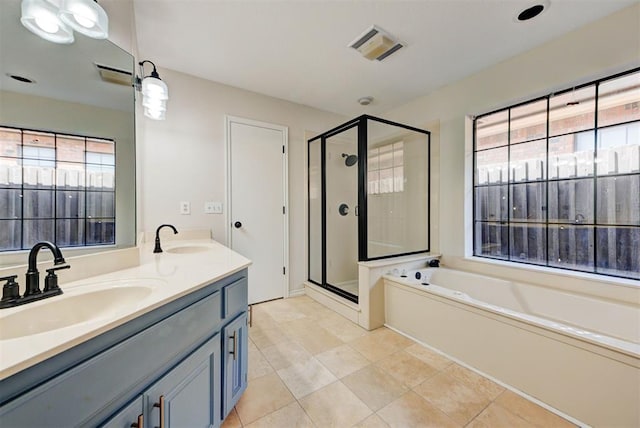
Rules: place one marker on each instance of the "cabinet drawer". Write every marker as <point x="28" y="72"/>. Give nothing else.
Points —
<point x="234" y="297"/>
<point x="101" y="383"/>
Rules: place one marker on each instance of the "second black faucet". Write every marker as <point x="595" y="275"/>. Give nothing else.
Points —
<point x="158" y="248"/>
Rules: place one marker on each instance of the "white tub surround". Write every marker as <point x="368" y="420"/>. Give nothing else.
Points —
<point x="369" y="311"/>
<point x="184" y="267"/>
<point x="576" y="353"/>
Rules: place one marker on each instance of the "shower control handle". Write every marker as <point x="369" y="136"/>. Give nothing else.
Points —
<point x="237" y="225"/>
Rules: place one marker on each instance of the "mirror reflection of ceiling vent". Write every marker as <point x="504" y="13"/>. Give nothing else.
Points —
<point x="375" y="43"/>
<point x="115" y="75"/>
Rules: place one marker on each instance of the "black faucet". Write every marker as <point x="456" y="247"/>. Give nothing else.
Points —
<point x="157" y="248"/>
<point x="10" y="294"/>
<point x="33" y="276"/>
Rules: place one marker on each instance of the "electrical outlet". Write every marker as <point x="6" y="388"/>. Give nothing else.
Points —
<point x="213" y="207"/>
<point x="185" y="208"/>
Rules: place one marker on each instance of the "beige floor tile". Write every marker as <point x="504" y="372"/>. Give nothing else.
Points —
<point x="258" y="364"/>
<point x="496" y="416"/>
<point x="406" y="368"/>
<point x="263" y="395"/>
<point x="311" y="336"/>
<point x="529" y="411"/>
<point x="335" y="406"/>
<point x="374" y="386"/>
<point x="391" y="337"/>
<point x="373" y="348"/>
<point x="428" y="356"/>
<point x="232" y="420"/>
<point x="411" y="410"/>
<point x="261" y="319"/>
<point x="373" y="421"/>
<point x="284" y="354"/>
<point x="306" y="377"/>
<point x="481" y="384"/>
<point x="343" y="360"/>
<point x="342" y="328"/>
<point x="290" y="416"/>
<point x="453" y="396"/>
<point x="283" y="310"/>
<point x="266" y="337"/>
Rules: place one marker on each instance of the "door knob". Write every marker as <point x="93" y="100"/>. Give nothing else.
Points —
<point x="237" y="225"/>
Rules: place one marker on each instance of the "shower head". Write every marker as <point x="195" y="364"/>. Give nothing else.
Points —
<point x="350" y="160"/>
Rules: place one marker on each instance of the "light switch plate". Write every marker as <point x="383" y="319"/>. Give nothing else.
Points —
<point x="213" y="207"/>
<point x="185" y="208"/>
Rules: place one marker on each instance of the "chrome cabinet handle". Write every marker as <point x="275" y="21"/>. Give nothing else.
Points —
<point x="160" y="404"/>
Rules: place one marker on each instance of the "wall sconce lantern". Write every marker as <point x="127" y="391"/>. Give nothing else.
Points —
<point x="155" y="93"/>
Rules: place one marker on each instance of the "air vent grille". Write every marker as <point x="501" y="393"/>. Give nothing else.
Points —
<point x="115" y="75"/>
<point x="376" y="44"/>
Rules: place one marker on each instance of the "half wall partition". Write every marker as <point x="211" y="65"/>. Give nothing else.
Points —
<point x="368" y="187"/>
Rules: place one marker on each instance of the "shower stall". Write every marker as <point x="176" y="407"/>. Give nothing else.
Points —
<point x="368" y="188"/>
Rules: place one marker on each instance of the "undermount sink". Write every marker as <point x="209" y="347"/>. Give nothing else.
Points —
<point x="188" y="249"/>
<point x="64" y="311"/>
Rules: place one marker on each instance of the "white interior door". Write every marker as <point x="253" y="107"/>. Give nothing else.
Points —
<point x="257" y="204"/>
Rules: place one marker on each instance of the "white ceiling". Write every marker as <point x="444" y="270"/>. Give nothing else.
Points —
<point x="297" y="50"/>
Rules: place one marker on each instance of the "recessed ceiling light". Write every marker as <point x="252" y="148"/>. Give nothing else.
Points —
<point x="21" y="78"/>
<point x="531" y="12"/>
<point x="365" y="101"/>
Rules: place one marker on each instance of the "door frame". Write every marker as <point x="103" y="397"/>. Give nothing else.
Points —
<point x="229" y="120"/>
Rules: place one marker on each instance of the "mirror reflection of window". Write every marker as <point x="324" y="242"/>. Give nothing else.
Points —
<point x="55" y="187"/>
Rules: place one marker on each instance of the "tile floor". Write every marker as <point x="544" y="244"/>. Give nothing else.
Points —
<point x="310" y="367"/>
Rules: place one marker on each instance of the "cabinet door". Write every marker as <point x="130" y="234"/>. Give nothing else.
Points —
<point x="129" y="417"/>
<point x="234" y="376"/>
<point x="189" y="394"/>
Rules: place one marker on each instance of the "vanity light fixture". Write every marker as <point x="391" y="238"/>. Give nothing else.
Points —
<point x="55" y="20"/>
<point x="155" y="93"/>
<point x="86" y="17"/>
<point x="41" y="18"/>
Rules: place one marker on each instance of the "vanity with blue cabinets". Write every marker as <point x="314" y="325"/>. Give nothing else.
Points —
<point x="182" y="364"/>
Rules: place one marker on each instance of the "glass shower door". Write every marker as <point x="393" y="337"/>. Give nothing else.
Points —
<point x="341" y="211"/>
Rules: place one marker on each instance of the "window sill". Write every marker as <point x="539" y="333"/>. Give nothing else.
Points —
<point x="603" y="279"/>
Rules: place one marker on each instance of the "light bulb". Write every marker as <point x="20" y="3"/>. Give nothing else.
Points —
<point x="47" y="22"/>
<point x="84" y="21"/>
<point x="84" y="16"/>
<point x="41" y="18"/>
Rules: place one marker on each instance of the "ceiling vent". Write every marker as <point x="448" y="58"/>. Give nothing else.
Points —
<point x="375" y="43"/>
<point x="115" y="75"/>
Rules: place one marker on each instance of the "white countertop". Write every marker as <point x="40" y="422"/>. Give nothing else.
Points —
<point x="164" y="277"/>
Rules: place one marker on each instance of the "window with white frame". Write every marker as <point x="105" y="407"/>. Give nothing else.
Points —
<point x="385" y="169"/>
<point x="55" y="187"/>
<point x="557" y="179"/>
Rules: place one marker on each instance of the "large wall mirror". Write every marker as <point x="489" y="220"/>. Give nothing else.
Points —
<point x="69" y="102"/>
